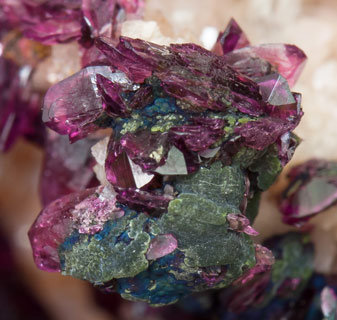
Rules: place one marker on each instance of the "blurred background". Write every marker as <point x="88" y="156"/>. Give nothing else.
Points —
<point x="28" y="293"/>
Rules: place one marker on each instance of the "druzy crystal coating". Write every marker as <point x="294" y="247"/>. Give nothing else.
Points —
<point x="197" y="136"/>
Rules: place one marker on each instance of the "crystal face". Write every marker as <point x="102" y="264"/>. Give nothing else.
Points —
<point x="312" y="189"/>
<point x="196" y="137"/>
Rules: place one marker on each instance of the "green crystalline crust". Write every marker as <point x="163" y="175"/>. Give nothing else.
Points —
<point x="101" y="258"/>
<point x="196" y="218"/>
<point x="268" y="167"/>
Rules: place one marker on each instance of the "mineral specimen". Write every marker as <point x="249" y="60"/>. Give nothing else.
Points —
<point x="196" y="139"/>
<point x="312" y="189"/>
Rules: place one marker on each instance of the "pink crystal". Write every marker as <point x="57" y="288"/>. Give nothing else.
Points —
<point x="121" y="170"/>
<point x="59" y="21"/>
<point x="67" y="167"/>
<point x="240" y="223"/>
<point x="312" y="189"/>
<point x="161" y="246"/>
<point x="85" y="210"/>
<point x="73" y="105"/>
<point x="232" y="38"/>
<point x="275" y="90"/>
<point x="261" y="133"/>
<point x="200" y="135"/>
<point x="19" y="106"/>
<point x="146" y="149"/>
<point x="90" y="215"/>
<point x="145" y="201"/>
<point x="50" y="229"/>
<point x="288" y="60"/>
<point x="99" y="15"/>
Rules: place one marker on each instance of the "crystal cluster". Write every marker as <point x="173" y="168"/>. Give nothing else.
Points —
<point x="59" y="21"/>
<point x="197" y="136"/>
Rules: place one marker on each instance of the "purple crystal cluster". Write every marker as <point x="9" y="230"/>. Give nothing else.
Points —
<point x="59" y="21"/>
<point x="197" y="135"/>
<point x="66" y="168"/>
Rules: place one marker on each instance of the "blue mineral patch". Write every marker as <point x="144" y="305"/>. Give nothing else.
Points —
<point x="160" y="106"/>
<point x="156" y="285"/>
<point x="160" y="115"/>
<point x="124" y="237"/>
<point x="70" y="241"/>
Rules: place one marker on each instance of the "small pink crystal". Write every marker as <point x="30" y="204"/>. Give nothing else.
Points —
<point x="161" y="246"/>
<point x="289" y="60"/>
<point x="232" y="38"/>
<point x="240" y="223"/>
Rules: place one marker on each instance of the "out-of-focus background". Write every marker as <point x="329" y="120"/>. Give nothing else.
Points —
<point x="28" y="293"/>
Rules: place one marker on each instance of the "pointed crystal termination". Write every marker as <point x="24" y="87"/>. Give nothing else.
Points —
<point x="275" y="90"/>
<point x="258" y="61"/>
<point x="121" y="170"/>
<point x="312" y="189"/>
<point x="232" y="38"/>
<point x="241" y="223"/>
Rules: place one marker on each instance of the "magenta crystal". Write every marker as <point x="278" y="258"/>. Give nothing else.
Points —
<point x="260" y="134"/>
<point x="140" y="59"/>
<point x="200" y="135"/>
<point x="60" y="21"/>
<point x="121" y="171"/>
<point x="275" y="90"/>
<point x="241" y="223"/>
<point x="161" y="246"/>
<point x="73" y="105"/>
<point x="148" y="202"/>
<point x="51" y="228"/>
<point x="67" y="167"/>
<point x="232" y="38"/>
<point x="257" y="61"/>
<point x="86" y="211"/>
<point x="19" y="106"/>
<point x="312" y="189"/>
